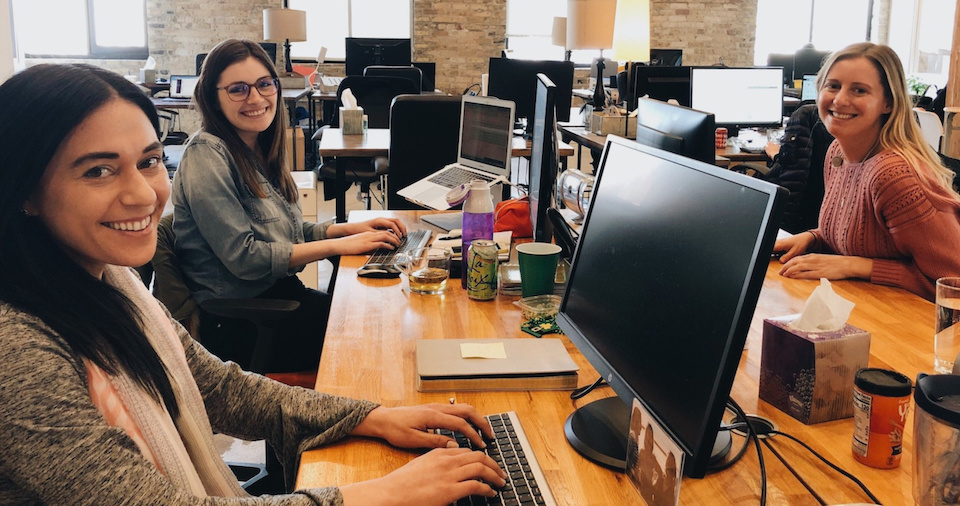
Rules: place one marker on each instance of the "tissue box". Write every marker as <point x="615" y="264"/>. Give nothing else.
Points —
<point x="351" y="121"/>
<point x="810" y="375"/>
<point x="148" y="76"/>
<point x="605" y="124"/>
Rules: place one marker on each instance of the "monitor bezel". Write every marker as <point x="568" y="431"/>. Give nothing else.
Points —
<point x="696" y="128"/>
<point x="544" y="159"/>
<point x="736" y="125"/>
<point x="697" y="453"/>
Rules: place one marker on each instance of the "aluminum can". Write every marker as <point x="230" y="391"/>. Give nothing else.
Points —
<point x="481" y="268"/>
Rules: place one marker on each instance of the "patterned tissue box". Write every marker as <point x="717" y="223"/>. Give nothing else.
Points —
<point x="809" y="375"/>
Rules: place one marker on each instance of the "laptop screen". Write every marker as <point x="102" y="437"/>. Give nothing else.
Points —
<point x="808" y="89"/>
<point x="486" y="131"/>
<point x="182" y="86"/>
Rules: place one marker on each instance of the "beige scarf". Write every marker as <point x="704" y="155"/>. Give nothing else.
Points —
<point x="181" y="449"/>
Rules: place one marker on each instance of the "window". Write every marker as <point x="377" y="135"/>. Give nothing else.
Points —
<point x="112" y="29"/>
<point x="530" y="27"/>
<point x="920" y="31"/>
<point x="330" y="21"/>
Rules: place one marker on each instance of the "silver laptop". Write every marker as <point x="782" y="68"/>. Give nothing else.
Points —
<point x="486" y="139"/>
<point x="181" y="87"/>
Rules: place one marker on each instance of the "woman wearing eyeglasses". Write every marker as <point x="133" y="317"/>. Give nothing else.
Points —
<point x="238" y="224"/>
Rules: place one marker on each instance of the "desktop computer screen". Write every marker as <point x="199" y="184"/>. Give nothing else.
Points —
<point x="363" y="52"/>
<point x="739" y="97"/>
<point x="666" y="57"/>
<point x="663" y="285"/>
<point x="544" y="159"/>
<point x="676" y="129"/>
<point x="516" y="80"/>
<point x="808" y="88"/>
<point x="662" y="83"/>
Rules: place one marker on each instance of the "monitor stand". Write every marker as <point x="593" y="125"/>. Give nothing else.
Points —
<point x="599" y="430"/>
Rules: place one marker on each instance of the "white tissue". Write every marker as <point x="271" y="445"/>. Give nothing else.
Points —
<point x="824" y="311"/>
<point x="150" y="64"/>
<point x="349" y="101"/>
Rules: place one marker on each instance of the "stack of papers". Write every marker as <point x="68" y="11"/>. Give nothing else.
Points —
<point x="510" y="278"/>
<point x="501" y="238"/>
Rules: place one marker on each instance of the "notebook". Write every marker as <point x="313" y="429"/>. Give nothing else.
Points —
<point x="181" y="87"/>
<point x="486" y="139"/>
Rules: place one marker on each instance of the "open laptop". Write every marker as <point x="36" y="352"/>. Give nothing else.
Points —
<point x="808" y="88"/>
<point x="181" y="87"/>
<point x="486" y="138"/>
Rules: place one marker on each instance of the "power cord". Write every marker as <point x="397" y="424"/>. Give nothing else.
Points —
<point x="468" y="91"/>
<point x="582" y="391"/>
<point x="752" y="434"/>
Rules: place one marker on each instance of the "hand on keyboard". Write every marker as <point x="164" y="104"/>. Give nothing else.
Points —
<point x="365" y="242"/>
<point x="344" y="229"/>
<point x="406" y="426"/>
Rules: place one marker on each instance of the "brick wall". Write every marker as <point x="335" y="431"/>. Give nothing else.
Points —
<point x="706" y="30"/>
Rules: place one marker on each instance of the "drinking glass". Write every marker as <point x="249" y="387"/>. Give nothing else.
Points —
<point x="946" y="341"/>
<point x="427" y="269"/>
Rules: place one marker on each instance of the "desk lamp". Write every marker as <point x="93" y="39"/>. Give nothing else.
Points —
<point x="631" y="39"/>
<point x="590" y="26"/>
<point x="559" y="35"/>
<point x="285" y="25"/>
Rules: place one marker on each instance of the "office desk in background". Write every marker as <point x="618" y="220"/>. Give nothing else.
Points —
<point x="584" y="137"/>
<point x="376" y="142"/>
<point x="369" y="353"/>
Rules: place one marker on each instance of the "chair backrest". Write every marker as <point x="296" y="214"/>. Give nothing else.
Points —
<point x="407" y="72"/>
<point x="169" y="283"/>
<point x="375" y="94"/>
<point x="424" y="137"/>
<point x="807" y="60"/>
<point x="930" y="126"/>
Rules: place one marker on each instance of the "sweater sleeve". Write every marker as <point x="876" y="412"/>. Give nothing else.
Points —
<point x="58" y="449"/>
<point x="924" y="228"/>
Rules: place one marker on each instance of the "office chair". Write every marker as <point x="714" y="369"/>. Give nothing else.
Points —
<point x="424" y="138"/>
<point x="375" y="94"/>
<point x="807" y="60"/>
<point x="406" y="72"/>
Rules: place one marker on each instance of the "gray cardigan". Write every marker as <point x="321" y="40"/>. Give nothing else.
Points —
<point x="56" y="448"/>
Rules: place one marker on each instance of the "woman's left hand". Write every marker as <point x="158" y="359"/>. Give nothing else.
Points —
<point x="410" y="427"/>
<point x="816" y="266"/>
<point x="345" y="229"/>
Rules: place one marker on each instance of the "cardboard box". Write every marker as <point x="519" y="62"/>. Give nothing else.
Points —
<point x="605" y="124"/>
<point x="810" y="376"/>
<point x="298" y="162"/>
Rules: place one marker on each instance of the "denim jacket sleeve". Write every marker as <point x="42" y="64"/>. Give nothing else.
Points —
<point x="228" y="216"/>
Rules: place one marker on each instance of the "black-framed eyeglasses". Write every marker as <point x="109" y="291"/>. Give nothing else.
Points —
<point x="238" y="92"/>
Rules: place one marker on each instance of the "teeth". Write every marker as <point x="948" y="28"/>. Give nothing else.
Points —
<point x="842" y="116"/>
<point x="256" y="113"/>
<point x="132" y="226"/>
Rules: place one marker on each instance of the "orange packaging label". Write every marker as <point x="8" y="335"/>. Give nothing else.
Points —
<point x="878" y="428"/>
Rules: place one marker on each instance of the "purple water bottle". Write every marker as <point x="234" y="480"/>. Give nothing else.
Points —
<point x="477" y="221"/>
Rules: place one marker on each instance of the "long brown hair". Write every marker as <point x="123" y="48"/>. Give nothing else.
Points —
<point x="270" y="141"/>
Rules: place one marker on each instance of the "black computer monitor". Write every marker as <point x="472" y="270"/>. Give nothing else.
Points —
<point x="739" y="96"/>
<point x="516" y="80"/>
<point x="808" y="60"/>
<point x="666" y="57"/>
<point x="662" y="83"/>
<point x="676" y="129"/>
<point x="429" y="70"/>
<point x="785" y="61"/>
<point x="543" y="158"/>
<point x="363" y="52"/>
<point x="663" y="285"/>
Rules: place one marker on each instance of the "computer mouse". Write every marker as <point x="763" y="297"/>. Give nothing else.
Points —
<point x="378" y="271"/>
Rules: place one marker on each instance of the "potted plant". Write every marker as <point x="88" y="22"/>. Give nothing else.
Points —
<point x="917" y="88"/>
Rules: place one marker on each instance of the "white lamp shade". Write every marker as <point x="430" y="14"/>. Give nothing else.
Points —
<point x="284" y="24"/>
<point x="631" y="32"/>
<point x="559" y="33"/>
<point x="590" y="23"/>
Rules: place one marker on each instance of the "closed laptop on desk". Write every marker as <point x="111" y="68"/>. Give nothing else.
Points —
<point x="529" y="364"/>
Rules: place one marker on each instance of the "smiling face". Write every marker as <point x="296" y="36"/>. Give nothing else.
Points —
<point x="255" y="114"/>
<point x="852" y="103"/>
<point x="104" y="190"/>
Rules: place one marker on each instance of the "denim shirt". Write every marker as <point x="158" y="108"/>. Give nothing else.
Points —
<point x="231" y="243"/>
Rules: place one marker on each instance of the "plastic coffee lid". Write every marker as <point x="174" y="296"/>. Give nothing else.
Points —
<point x="939" y="395"/>
<point x="882" y="382"/>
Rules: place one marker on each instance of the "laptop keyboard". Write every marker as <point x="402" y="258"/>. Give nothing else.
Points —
<point x="526" y="485"/>
<point x="456" y="176"/>
<point x="386" y="259"/>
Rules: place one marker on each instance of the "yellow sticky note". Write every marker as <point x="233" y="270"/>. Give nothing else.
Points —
<point x="482" y="350"/>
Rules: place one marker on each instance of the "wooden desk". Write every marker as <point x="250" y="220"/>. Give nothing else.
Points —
<point x="369" y="353"/>
<point x="584" y="137"/>
<point x="376" y="142"/>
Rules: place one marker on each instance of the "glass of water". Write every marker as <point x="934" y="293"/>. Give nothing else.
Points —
<point x="947" y="338"/>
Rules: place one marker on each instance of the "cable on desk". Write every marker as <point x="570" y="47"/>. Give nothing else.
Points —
<point x="833" y="466"/>
<point x="582" y="391"/>
<point x="795" y="473"/>
<point x="752" y="434"/>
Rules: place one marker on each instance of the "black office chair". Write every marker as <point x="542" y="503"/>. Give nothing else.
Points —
<point x="375" y="94"/>
<point x="403" y="71"/>
<point x="424" y="137"/>
<point x="807" y="60"/>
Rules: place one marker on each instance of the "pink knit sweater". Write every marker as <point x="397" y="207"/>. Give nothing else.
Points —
<point x="880" y="209"/>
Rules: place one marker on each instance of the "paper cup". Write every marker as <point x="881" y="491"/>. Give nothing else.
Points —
<point x="538" y="267"/>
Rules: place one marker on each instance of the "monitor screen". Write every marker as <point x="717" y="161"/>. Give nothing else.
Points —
<point x="663" y="285"/>
<point x="429" y="70"/>
<point x="676" y="129"/>
<point x="543" y="158"/>
<point x="516" y="80"/>
<point x="808" y="88"/>
<point x="486" y="132"/>
<point x="362" y="52"/>
<point x="666" y="57"/>
<point x="739" y="97"/>
<point x="662" y="83"/>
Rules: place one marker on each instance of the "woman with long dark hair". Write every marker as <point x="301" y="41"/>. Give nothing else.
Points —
<point x="238" y="224"/>
<point x="104" y="398"/>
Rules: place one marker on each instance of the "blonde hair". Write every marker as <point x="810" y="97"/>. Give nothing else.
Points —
<point x="900" y="131"/>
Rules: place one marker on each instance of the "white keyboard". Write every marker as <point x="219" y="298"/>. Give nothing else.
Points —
<point x="327" y="83"/>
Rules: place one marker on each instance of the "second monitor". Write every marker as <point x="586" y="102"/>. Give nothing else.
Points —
<point x="516" y="80"/>
<point x="363" y="52"/>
